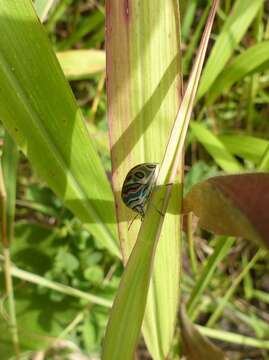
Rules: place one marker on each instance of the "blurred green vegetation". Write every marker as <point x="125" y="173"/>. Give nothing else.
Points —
<point x="229" y="133"/>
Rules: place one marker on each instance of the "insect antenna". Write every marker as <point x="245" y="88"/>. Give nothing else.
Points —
<point x="136" y="216"/>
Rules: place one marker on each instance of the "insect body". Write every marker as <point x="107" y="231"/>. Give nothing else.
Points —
<point x="138" y="186"/>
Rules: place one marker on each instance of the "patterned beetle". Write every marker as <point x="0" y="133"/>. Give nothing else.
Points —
<point x="138" y="186"/>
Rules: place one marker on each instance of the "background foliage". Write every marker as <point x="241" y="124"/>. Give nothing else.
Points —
<point x="225" y="280"/>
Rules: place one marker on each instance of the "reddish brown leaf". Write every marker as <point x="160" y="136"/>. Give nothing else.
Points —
<point x="233" y="205"/>
<point x="195" y="345"/>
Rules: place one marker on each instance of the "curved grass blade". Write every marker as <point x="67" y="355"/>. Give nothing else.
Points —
<point x="39" y="111"/>
<point x="215" y="148"/>
<point x="247" y="147"/>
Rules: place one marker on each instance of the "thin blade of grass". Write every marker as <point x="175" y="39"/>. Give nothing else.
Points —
<point x="130" y="301"/>
<point x="40" y="113"/>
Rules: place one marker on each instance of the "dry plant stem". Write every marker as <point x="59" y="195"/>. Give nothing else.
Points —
<point x="7" y="269"/>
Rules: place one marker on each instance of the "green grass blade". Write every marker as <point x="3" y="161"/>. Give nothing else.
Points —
<point x="194" y="41"/>
<point x="250" y="61"/>
<point x="247" y="147"/>
<point x="43" y="7"/>
<point x="39" y="110"/>
<point x="215" y="148"/>
<point x="130" y="302"/>
<point x="188" y="19"/>
<point x="243" y="13"/>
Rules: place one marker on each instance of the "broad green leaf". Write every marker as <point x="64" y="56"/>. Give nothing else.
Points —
<point x="246" y="63"/>
<point x="215" y="148"/>
<point x="195" y="345"/>
<point x="233" y="205"/>
<point x="143" y="98"/>
<point x="243" y="13"/>
<point x="247" y="147"/>
<point x="130" y="302"/>
<point x="80" y="64"/>
<point x="39" y="110"/>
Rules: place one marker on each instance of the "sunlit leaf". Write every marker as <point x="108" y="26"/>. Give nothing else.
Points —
<point x="130" y="302"/>
<point x="39" y="111"/>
